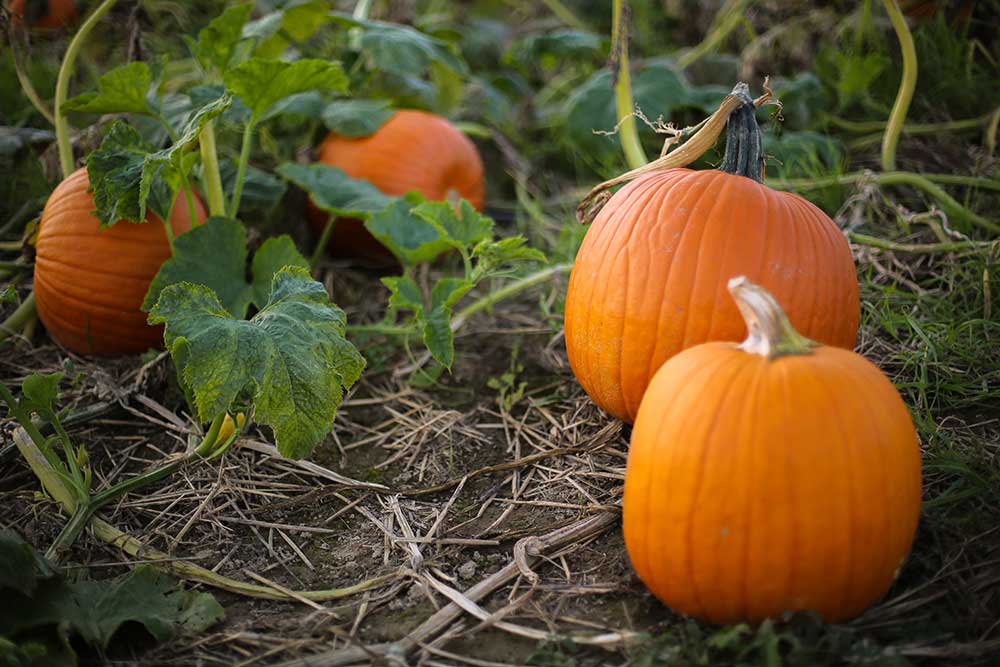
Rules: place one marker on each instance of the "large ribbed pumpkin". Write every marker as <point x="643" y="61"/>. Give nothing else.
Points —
<point x="649" y="279"/>
<point x="413" y="150"/>
<point x="90" y="282"/>
<point x="43" y="14"/>
<point x="770" y="476"/>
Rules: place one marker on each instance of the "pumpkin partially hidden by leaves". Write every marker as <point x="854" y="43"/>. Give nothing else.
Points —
<point x="90" y="282"/>
<point x="413" y="150"/>
<point x="43" y="14"/>
<point x="772" y="476"/>
<point x="649" y="279"/>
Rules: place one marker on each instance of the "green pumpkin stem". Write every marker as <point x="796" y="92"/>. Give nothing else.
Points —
<point x="744" y="142"/>
<point x="769" y="333"/>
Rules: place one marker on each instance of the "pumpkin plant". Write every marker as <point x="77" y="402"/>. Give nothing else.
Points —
<point x="648" y="279"/>
<point x="775" y="475"/>
<point x="440" y="163"/>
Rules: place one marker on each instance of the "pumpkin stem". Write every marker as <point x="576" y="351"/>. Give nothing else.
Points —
<point x="744" y="143"/>
<point x="769" y="333"/>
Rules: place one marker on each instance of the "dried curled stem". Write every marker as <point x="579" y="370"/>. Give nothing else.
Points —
<point x="688" y="152"/>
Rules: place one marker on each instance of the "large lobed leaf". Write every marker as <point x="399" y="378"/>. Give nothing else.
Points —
<point x="215" y="255"/>
<point x="291" y="357"/>
<point x="127" y="175"/>
<point x="121" y="90"/>
<point x="263" y="82"/>
<point x="400" y="49"/>
<point x="44" y="610"/>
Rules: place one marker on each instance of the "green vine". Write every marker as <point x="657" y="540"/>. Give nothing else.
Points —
<point x="628" y="131"/>
<point x="65" y="144"/>
<point x="906" y="86"/>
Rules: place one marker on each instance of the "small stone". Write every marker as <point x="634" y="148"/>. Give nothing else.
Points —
<point x="467" y="570"/>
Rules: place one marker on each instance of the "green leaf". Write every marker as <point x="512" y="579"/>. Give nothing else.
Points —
<point x="466" y="227"/>
<point x="292" y="25"/>
<point x="217" y="41"/>
<point x="658" y="90"/>
<point x="401" y="49"/>
<point x="41" y="392"/>
<point x="438" y="336"/>
<point x="94" y="611"/>
<point x="215" y="255"/>
<point x="559" y="46"/>
<point x="262" y="82"/>
<point x="404" y="293"/>
<point x="272" y="256"/>
<point x="495" y="257"/>
<point x="411" y="239"/>
<point x="121" y="90"/>
<point x="356" y="118"/>
<point x="121" y="182"/>
<point x="19" y="564"/>
<point x="334" y="191"/>
<point x="292" y="356"/>
<point x="261" y="190"/>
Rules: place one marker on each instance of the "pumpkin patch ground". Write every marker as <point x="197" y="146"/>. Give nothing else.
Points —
<point x="391" y="439"/>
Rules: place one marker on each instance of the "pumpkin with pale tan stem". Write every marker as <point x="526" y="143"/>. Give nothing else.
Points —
<point x="90" y="282"/>
<point x="772" y="476"/>
<point x="650" y="277"/>
<point x="413" y="150"/>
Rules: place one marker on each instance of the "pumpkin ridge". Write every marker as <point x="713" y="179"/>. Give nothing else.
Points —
<point x="624" y="251"/>
<point x="699" y="483"/>
<point x="105" y="272"/>
<point x="878" y="425"/>
<point x="665" y="456"/>
<point x="752" y="396"/>
<point x="833" y="399"/>
<point x="708" y="217"/>
<point x="665" y="285"/>
<point x="591" y="355"/>
<point x="113" y="308"/>
<point x="795" y="537"/>
<point x="724" y="263"/>
<point x="651" y="365"/>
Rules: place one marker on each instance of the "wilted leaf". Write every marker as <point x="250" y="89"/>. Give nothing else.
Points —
<point x="292" y="356"/>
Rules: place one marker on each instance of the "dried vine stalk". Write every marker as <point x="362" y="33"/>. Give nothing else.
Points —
<point x="706" y="136"/>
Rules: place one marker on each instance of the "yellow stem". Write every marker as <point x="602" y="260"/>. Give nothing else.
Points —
<point x="628" y="131"/>
<point x="906" y="86"/>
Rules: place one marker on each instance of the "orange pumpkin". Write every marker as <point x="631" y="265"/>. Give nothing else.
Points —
<point x="413" y="150"/>
<point x="649" y="277"/>
<point x="770" y="476"/>
<point x="43" y="14"/>
<point x="89" y="282"/>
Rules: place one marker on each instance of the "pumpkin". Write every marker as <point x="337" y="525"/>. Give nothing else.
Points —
<point x="649" y="278"/>
<point x="90" y="282"/>
<point x="413" y="150"/>
<point x="771" y="476"/>
<point x="43" y="14"/>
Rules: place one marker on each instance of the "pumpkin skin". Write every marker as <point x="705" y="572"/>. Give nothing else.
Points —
<point x="649" y="278"/>
<point x="413" y="150"/>
<point x="756" y="485"/>
<point x="43" y="14"/>
<point x="89" y="282"/>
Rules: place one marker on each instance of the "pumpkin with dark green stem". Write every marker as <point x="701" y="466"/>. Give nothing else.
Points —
<point x="649" y="279"/>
